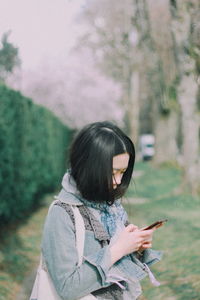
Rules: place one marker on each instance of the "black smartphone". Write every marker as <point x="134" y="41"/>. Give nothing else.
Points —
<point x="157" y="224"/>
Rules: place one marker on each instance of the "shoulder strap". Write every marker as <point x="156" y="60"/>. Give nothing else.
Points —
<point x="80" y="232"/>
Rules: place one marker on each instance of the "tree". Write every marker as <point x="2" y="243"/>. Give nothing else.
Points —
<point x="186" y="27"/>
<point x="9" y="58"/>
<point x="169" y="37"/>
<point x="77" y="92"/>
<point x="159" y="72"/>
<point x="165" y="78"/>
<point x="112" y="37"/>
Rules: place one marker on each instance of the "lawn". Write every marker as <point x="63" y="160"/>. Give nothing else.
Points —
<point x="155" y="194"/>
<point x="20" y="250"/>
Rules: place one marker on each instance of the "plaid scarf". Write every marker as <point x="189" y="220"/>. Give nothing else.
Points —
<point x="112" y="217"/>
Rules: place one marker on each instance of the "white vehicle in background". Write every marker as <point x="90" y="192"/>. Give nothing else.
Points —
<point x="147" y="142"/>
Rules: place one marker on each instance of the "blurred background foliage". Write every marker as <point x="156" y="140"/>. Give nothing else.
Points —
<point x="33" y="147"/>
<point x="9" y="56"/>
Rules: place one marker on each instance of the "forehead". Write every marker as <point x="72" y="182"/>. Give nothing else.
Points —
<point x="121" y="161"/>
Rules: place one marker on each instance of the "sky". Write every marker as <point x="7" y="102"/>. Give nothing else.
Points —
<point x="41" y="29"/>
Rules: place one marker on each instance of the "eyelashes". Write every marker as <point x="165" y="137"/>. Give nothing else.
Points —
<point x="118" y="172"/>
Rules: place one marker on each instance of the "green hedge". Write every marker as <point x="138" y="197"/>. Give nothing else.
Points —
<point x="33" y="147"/>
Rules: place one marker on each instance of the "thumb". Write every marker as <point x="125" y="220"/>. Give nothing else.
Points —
<point x="131" y="227"/>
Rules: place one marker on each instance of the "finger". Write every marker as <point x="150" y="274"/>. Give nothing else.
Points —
<point x="145" y="233"/>
<point x="139" y="246"/>
<point x="148" y="239"/>
<point x="135" y="227"/>
<point x="146" y="245"/>
<point x="131" y="227"/>
<point x="147" y="242"/>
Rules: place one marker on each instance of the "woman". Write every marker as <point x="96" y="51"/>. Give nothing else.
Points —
<point x="116" y="254"/>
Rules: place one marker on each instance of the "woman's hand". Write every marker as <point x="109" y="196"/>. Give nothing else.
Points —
<point x="146" y="245"/>
<point x="131" y="239"/>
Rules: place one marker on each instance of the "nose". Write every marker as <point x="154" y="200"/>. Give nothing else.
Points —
<point x="117" y="178"/>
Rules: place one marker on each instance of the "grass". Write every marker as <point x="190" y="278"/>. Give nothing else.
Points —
<point x="156" y="194"/>
<point x="162" y="196"/>
<point x="20" y="250"/>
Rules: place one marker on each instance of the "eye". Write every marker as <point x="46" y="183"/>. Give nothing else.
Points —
<point x="114" y="173"/>
<point x="117" y="172"/>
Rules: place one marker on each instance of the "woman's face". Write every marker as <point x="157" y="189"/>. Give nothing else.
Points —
<point x="120" y="164"/>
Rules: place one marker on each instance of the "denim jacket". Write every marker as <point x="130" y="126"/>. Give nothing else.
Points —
<point x="96" y="272"/>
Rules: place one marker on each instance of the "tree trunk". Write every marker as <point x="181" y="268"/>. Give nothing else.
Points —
<point x="188" y="87"/>
<point x="165" y="137"/>
<point x="190" y="126"/>
<point x="164" y="70"/>
<point x="133" y="109"/>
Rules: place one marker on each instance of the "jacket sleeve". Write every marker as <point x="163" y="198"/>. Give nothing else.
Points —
<point x="61" y="258"/>
<point x="151" y="256"/>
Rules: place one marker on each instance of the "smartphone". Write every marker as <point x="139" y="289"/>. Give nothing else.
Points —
<point x="155" y="225"/>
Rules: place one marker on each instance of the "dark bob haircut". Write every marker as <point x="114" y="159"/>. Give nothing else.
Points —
<point x="91" y="161"/>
